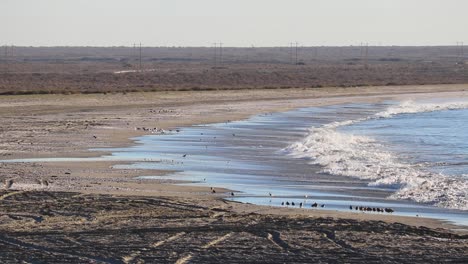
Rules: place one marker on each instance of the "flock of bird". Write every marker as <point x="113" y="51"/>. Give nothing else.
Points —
<point x="301" y="204"/>
<point x="316" y="205"/>
<point x="357" y="208"/>
<point x="371" y="209"/>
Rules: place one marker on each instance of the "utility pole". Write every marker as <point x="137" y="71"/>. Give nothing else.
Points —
<point x="361" y="50"/>
<point x="296" y="51"/>
<point x="215" y="54"/>
<point x="134" y="54"/>
<point x="5" y="59"/>
<point x="460" y="50"/>
<point x="291" y="53"/>
<point x="367" y="55"/>
<point x="221" y="54"/>
<point x="140" y="57"/>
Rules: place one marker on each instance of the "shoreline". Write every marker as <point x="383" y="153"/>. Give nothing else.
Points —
<point x="125" y="138"/>
<point x="278" y="101"/>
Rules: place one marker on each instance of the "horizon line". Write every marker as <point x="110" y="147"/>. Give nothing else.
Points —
<point x="457" y="44"/>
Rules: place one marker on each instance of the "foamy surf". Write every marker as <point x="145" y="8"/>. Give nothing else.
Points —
<point x="363" y="157"/>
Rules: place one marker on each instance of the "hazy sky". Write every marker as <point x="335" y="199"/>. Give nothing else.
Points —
<point x="233" y="22"/>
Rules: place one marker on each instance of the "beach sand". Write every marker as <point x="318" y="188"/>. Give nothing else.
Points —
<point x="57" y="209"/>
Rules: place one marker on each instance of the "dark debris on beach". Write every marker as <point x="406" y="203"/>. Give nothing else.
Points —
<point x="64" y="227"/>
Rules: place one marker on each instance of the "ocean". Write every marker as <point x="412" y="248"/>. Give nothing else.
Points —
<point x="419" y="149"/>
<point x="409" y="156"/>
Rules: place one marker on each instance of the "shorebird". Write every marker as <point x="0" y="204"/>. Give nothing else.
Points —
<point x="322" y="205"/>
<point x="350" y="207"/>
<point x="185" y="155"/>
<point x="270" y="194"/>
<point x="213" y="191"/>
<point x="282" y="203"/>
<point x="293" y="204"/>
<point x="8" y="183"/>
<point x="300" y="205"/>
<point x="232" y="194"/>
<point x="314" y="205"/>
<point x="287" y="203"/>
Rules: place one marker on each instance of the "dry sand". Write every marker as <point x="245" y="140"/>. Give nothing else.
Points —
<point x="68" y="125"/>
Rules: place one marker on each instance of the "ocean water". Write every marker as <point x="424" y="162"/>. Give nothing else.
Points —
<point x="410" y="156"/>
<point x="418" y="149"/>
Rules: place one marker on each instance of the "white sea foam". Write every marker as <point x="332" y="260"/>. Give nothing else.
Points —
<point x="362" y="157"/>
<point x="409" y="107"/>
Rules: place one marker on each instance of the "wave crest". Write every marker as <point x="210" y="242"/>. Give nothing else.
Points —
<point x="364" y="158"/>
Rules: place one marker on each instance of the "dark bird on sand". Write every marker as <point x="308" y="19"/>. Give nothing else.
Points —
<point x="232" y="194"/>
<point x="287" y="203"/>
<point x="185" y="155"/>
<point x="213" y="191"/>
<point x="44" y="183"/>
<point x="293" y="204"/>
<point x="322" y="205"/>
<point x="282" y="203"/>
<point x="314" y="205"/>
<point x="300" y="205"/>
<point x="350" y="207"/>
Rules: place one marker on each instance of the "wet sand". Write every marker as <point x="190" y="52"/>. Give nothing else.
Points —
<point x="53" y="126"/>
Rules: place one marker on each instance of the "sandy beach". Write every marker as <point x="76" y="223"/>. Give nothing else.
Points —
<point x="55" y="209"/>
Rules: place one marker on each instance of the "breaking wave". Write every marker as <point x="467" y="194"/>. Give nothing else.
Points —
<point x="365" y="158"/>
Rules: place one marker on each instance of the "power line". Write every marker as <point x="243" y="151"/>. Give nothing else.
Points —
<point x="140" y="56"/>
